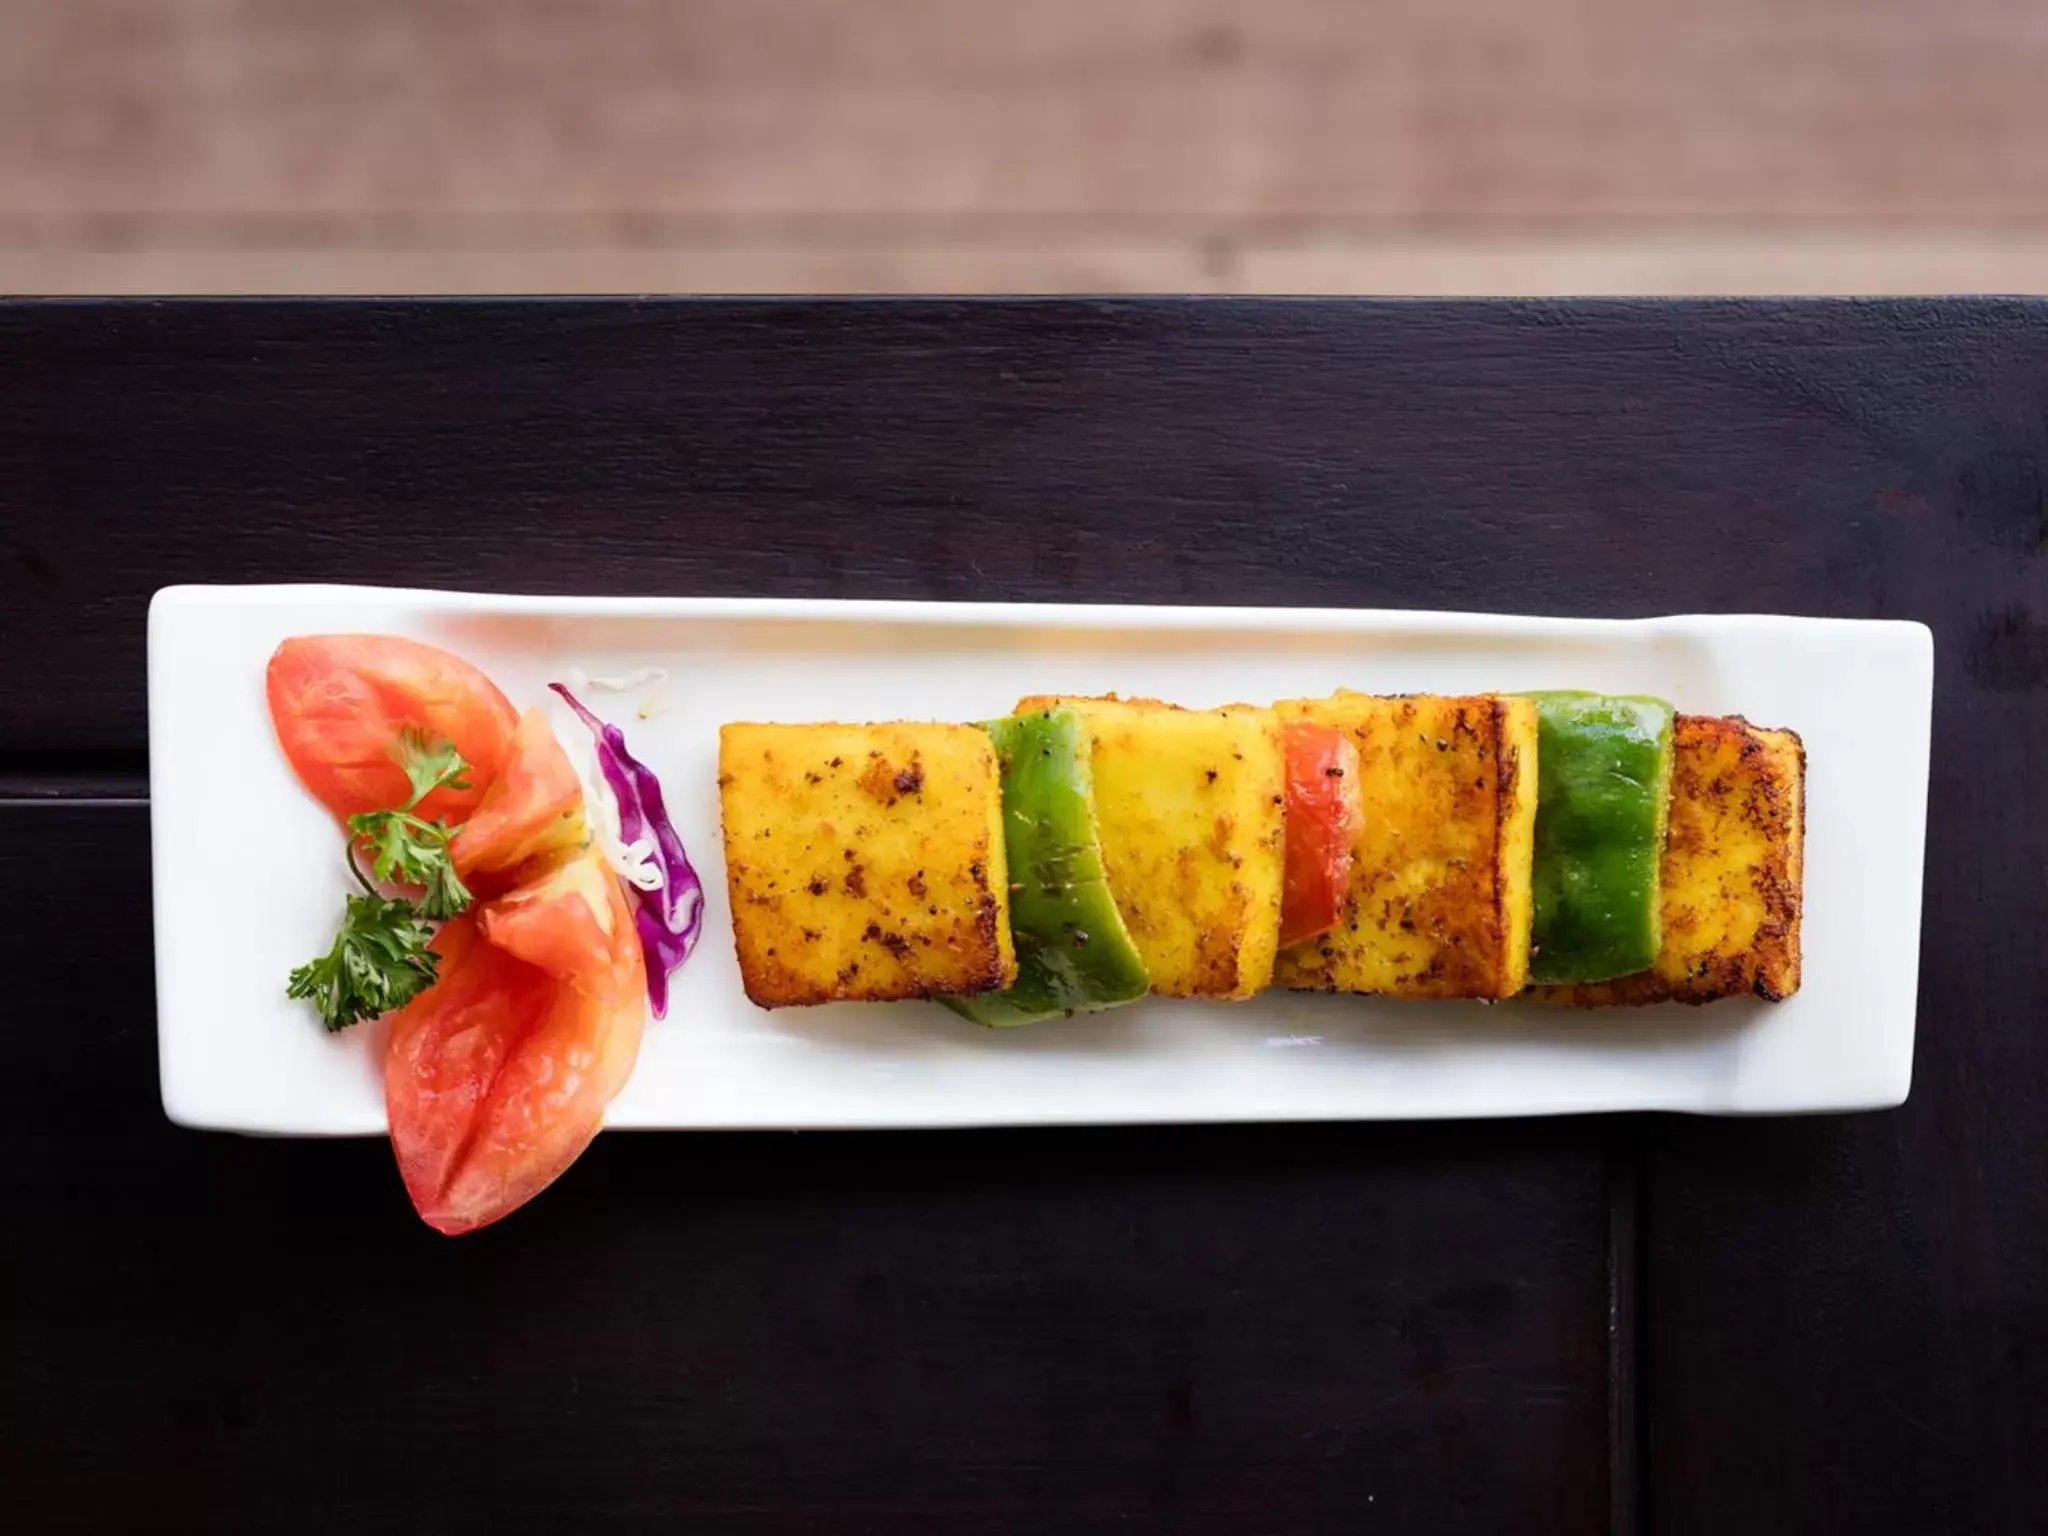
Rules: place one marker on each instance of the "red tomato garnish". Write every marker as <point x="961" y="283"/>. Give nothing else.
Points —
<point x="532" y="810"/>
<point x="1325" y="814"/>
<point x="339" y="702"/>
<point x="447" y="1048"/>
<point x="497" y="1077"/>
<point x="561" y="922"/>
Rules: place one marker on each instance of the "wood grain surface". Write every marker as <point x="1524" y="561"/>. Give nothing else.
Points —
<point x="794" y="145"/>
<point x="1029" y="260"/>
<point x="1474" y="110"/>
<point x="1642" y="1324"/>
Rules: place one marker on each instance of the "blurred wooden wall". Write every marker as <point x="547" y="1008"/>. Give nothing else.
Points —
<point x="1520" y="146"/>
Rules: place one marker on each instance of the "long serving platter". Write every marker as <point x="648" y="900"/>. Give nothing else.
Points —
<point x="236" y="1055"/>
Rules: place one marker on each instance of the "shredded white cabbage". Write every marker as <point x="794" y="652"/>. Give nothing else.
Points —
<point x="644" y="677"/>
<point x="654" y="680"/>
<point x="632" y="862"/>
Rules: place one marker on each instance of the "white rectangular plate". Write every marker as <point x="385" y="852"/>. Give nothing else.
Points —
<point x="243" y="856"/>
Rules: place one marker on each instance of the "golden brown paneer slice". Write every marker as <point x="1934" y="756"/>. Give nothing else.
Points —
<point x="1734" y="863"/>
<point x="1191" y="804"/>
<point x="1440" y="896"/>
<point x="865" y="862"/>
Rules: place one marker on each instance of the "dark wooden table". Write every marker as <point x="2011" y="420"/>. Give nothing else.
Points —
<point x="1594" y="1325"/>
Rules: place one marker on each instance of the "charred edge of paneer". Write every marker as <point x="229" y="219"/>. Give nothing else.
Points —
<point x="1768" y="967"/>
<point x="1771" y="970"/>
<point x="1500" y="968"/>
<point x="992" y="929"/>
<point x="1794" y="962"/>
<point x="1506" y="784"/>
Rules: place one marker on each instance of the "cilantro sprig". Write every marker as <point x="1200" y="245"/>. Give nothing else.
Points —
<point x="407" y="850"/>
<point x="380" y="961"/>
<point x="382" y="958"/>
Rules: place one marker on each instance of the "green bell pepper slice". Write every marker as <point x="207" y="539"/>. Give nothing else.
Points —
<point x="1074" y="954"/>
<point x="1603" y="773"/>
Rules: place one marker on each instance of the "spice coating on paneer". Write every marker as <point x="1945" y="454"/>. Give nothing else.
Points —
<point x="1734" y="866"/>
<point x="1191" y="807"/>
<point x="864" y="863"/>
<point x="1440" y="895"/>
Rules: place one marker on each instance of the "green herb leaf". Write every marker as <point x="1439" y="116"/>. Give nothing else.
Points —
<point x="445" y="894"/>
<point x="429" y="765"/>
<point x="405" y="850"/>
<point x="380" y="961"/>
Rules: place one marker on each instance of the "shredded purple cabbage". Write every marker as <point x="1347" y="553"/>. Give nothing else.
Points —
<point x="671" y="919"/>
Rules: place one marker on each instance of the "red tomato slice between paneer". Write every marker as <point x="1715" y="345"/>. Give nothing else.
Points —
<point x="1325" y="814"/>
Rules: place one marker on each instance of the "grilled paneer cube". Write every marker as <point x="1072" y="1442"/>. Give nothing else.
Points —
<point x="1734" y="860"/>
<point x="1440" y="896"/>
<point x="865" y="862"/>
<point x="1191" y="807"/>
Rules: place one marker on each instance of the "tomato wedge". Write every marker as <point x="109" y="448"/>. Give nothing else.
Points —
<point x="1325" y="814"/>
<point x="447" y="1047"/>
<point x="338" y="703"/>
<point x="577" y="925"/>
<point x="532" y="810"/>
<point x="497" y="1077"/>
<point x="561" y="922"/>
